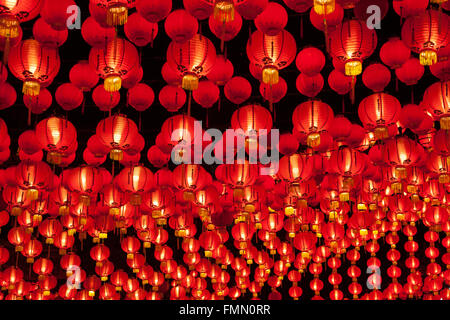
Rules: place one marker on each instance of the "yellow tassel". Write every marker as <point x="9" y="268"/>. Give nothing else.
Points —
<point x="54" y="158"/>
<point x="190" y="82"/>
<point x="188" y="196"/>
<point x="445" y="123"/>
<point x="116" y="154"/>
<point x="31" y="88"/>
<point x="381" y="133"/>
<point x="313" y="140"/>
<point x="353" y="68"/>
<point x="400" y="172"/>
<point x="344" y="196"/>
<point x="270" y="75"/>
<point x="117" y="15"/>
<point x="224" y="11"/>
<point x="444" y="178"/>
<point x="324" y="7"/>
<point x="32" y="194"/>
<point x="428" y="57"/>
<point x="112" y="83"/>
<point x="85" y="200"/>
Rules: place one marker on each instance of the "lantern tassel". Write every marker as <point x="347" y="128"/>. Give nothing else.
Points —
<point x="6" y="50"/>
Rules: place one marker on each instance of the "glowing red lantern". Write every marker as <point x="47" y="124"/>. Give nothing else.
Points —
<point x="140" y="31"/>
<point x="180" y="26"/>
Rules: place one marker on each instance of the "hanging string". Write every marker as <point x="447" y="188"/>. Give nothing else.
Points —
<point x="83" y="104"/>
<point x="189" y="103"/>
<point x="207" y="118"/>
<point x="352" y="93"/>
<point x="412" y="94"/>
<point x="343" y="104"/>
<point x="220" y="98"/>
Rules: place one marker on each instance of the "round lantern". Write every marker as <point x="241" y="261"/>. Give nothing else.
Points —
<point x="172" y="98"/>
<point x="105" y="100"/>
<point x="8" y="95"/>
<point x="272" y="20"/>
<point x="83" y="76"/>
<point x="222" y="71"/>
<point x="394" y="53"/>
<point x="141" y="96"/>
<point x="47" y="36"/>
<point x="117" y="132"/>
<point x="436" y="102"/>
<point x="271" y="53"/>
<point x="116" y="11"/>
<point x="251" y="118"/>
<point x="238" y="90"/>
<point x="309" y="86"/>
<point x="410" y="72"/>
<point x="68" y="96"/>
<point x="426" y="33"/>
<point x="207" y="94"/>
<point x="154" y="10"/>
<point x="378" y="111"/>
<point x="311" y="118"/>
<point x="95" y="34"/>
<point x="310" y="61"/>
<point x="114" y="62"/>
<point x="192" y="59"/>
<point x="140" y="31"/>
<point x="33" y="64"/>
<point x="376" y="77"/>
<point x="180" y="26"/>
<point x="352" y="42"/>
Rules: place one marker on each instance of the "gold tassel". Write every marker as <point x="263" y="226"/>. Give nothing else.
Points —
<point x="112" y="83"/>
<point x="117" y="15"/>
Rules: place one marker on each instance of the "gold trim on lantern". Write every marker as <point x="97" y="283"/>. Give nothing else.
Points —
<point x="428" y="57"/>
<point x="270" y="75"/>
<point x="353" y="68"/>
<point x="112" y="83"/>
<point x="313" y="140"/>
<point x="190" y="82"/>
<point x="324" y="7"/>
<point x="445" y="123"/>
<point x="116" y="154"/>
<point x="117" y="15"/>
<point x="224" y="11"/>
<point x="31" y="88"/>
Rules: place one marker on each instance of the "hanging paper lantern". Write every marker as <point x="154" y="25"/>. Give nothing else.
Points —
<point x="140" y="31"/>
<point x="323" y="22"/>
<point x="436" y="102"/>
<point x="133" y="77"/>
<point x="352" y="42"/>
<point x="339" y="82"/>
<point x="95" y="34"/>
<point x="141" y="97"/>
<point x="56" y="135"/>
<point x="299" y="6"/>
<point x="251" y="118"/>
<point x="33" y="64"/>
<point x="68" y="96"/>
<point x="411" y="116"/>
<point x="180" y="26"/>
<point x="117" y="133"/>
<point x="410" y="72"/>
<point x="250" y="9"/>
<point x="378" y="111"/>
<point x="38" y="104"/>
<point x="8" y="95"/>
<point x="310" y="61"/>
<point x="207" y="94"/>
<point x="225" y="31"/>
<point x="135" y="180"/>
<point x="170" y="75"/>
<point x="272" y="53"/>
<point x="238" y="90"/>
<point x="172" y="98"/>
<point x="309" y="86"/>
<point x="376" y="77"/>
<point x="105" y="100"/>
<point x="394" y="53"/>
<point x="114" y="62"/>
<point x="57" y="14"/>
<point x="156" y="157"/>
<point x="83" y="76"/>
<point x="47" y="36"/>
<point x="192" y="59"/>
<point x="311" y="118"/>
<point x="154" y="10"/>
<point x="200" y="9"/>
<point x="361" y="8"/>
<point x="275" y="92"/>
<point x="222" y="71"/>
<point x="426" y="33"/>
<point x="407" y="8"/>
<point x="272" y="20"/>
<point x="441" y="70"/>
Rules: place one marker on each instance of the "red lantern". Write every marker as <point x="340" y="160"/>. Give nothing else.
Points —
<point x="311" y="118"/>
<point x="394" y="53"/>
<point x="192" y="59"/>
<point x="140" y="31"/>
<point x="34" y="65"/>
<point x="352" y="42"/>
<point x="47" y="36"/>
<point x="376" y="77"/>
<point x="116" y="11"/>
<point x="271" y="53"/>
<point x="114" y="62"/>
<point x="238" y="90"/>
<point x="378" y="111"/>
<point x="436" y="102"/>
<point x="309" y="86"/>
<point x="426" y="33"/>
<point x="96" y="35"/>
<point x="180" y="26"/>
<point x="172" y="98"/>
<point x="57" y="14"/>
<point x="83" y="76"/>
<point x="69" y="96"/>
<point x="310" y="61"/>
<point x="251" y="118"/>
<point x="154" y="10"/>
<point x="141" y="97"/>
<point x="207" y="94"/>
<point x="410" y="72"/>
<point x="272" y="20"/>
<point x="222" y="71"/>
<point x="8" y="95"/>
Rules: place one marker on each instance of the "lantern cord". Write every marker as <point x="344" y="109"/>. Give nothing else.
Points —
<point x="352" y="94"/>
<point x="270" y="98"/>
<point x="200" y="28"/>
<point x="412" y="94"/>
<point x="140" y="55"/>
<point x="48" y="251"/>
<point x="327" y="44"/>
<point x="29" y="116"/>
<point x="6" y="50"/>
<point x="396" y="83"/>
<point x="17" y="259"/>
<point x="140" y="121"/>
<point x="189" y="103"/>
<point x="220" y="99"/>
<point x="343" y="104"/>
<point x="83" y="105"/>
<point x="207" y="118"/>
<point x="222" y="42"/>
<point x="29" y="271"/>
